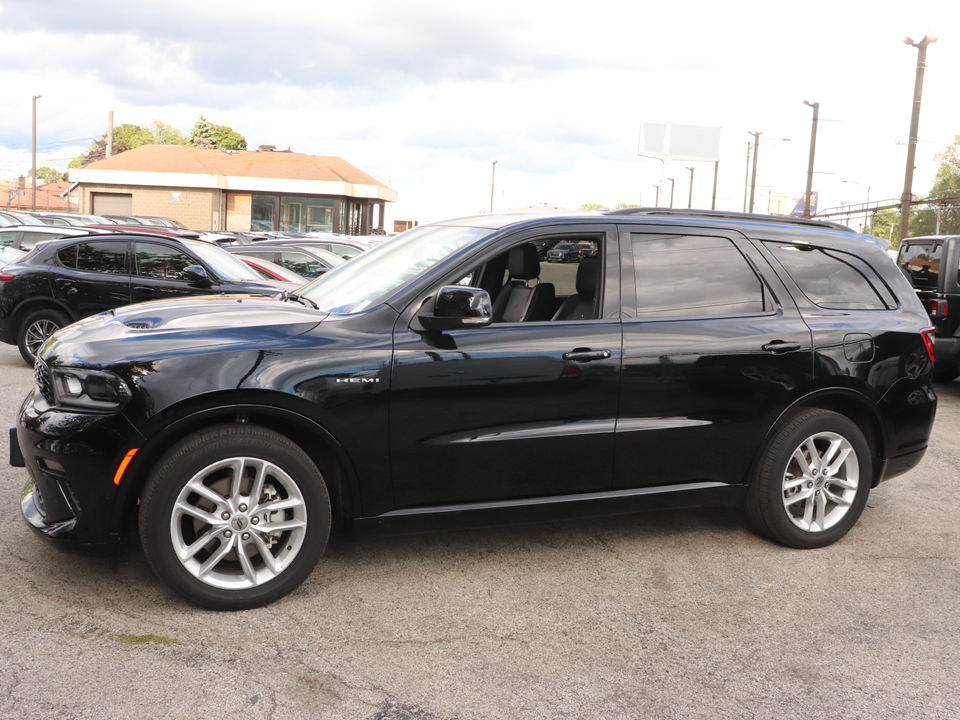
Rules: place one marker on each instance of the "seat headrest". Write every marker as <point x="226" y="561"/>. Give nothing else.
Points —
<point x="588" y="277"/>
<point x="523" y="262"/>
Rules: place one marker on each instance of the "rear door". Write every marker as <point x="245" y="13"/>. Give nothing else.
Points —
<point x="713" y="349"/>
<point x="93" y="276"/>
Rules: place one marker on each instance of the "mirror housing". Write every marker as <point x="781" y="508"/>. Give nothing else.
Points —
<point x="456" y="306"/>
<point x="196" y="274"/>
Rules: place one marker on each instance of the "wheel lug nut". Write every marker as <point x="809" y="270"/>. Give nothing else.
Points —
<point x="255" y="521"/>
<point x="225" y="515"/>
<point x="227" y="534"/>
<point x="245" y="536"/>
<point x="243" y="507"/>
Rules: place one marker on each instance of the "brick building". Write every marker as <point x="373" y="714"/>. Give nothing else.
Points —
<point x="236" y="190"/>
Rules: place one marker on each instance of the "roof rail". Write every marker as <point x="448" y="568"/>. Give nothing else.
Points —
<point x="724" y="215"/>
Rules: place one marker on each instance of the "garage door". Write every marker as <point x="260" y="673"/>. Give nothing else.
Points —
<point x="112" y="204"/>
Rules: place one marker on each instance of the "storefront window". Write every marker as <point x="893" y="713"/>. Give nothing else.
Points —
<point x="261" y="213"/>
<point x="306" y="214"/>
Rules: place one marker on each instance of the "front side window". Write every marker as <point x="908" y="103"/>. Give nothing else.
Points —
<point x="687" y="276"/>
<point x="161" y="261"/>
<point x="832" y="279"/>
<point x="102" y="257"/>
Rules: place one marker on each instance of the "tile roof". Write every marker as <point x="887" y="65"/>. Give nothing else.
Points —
<point x="241" y="163"/>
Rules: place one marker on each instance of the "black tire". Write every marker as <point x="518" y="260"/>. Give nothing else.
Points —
<point x="231" y="520"/>
<point x="35" y="329"/>
<point x="945" y="372"/>
<point x="777" y="503"/>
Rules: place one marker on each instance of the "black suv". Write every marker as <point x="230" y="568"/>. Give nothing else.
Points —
<point x="920" y="259"/>
<point x="445" y="379"/>
<point x="64" y="280"/>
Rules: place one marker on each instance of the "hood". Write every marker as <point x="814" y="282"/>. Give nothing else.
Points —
<point x="154" y="329"/>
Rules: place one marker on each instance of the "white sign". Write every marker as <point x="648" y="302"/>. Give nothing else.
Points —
<point x="679" y="142"/>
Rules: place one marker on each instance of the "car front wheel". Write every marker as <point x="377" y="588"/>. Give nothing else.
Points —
<point x="35" y="329"/>
<point x="234" y="517"/>
<point x="812" y="481"/>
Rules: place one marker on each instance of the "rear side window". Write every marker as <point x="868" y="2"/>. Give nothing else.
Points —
<point x="832" y="279"/>
<point x="29" y="240"/>
<point x="102" y="257"/>
<point x="694" y="276"/>
<point x="920" y="262"/>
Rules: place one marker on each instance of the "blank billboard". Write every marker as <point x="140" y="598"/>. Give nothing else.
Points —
<point x="679" y="142"/>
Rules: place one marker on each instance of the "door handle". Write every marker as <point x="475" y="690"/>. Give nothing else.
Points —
<point x="779" y="347"/>
<point x="586" y="355"/>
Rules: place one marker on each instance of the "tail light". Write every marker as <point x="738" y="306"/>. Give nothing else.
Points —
<point x="938" y="308"/>
<point x="4" y="277"/>
<point x="928" y="342"/>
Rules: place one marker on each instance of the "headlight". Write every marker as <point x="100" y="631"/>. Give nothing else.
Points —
<point x="93" y="389"/>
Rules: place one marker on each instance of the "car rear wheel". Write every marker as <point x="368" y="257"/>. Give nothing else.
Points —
<point x="812" y="481"/>
<point x="234" y="517"/>
<point x="35" y="329"/>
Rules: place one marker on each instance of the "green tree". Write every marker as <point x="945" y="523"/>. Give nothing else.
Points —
<point x="623" y="205"/>
<point x="47" y="174"/>
<point x="226" y="138"/>
<point x="946" y="215"/>
<point x="202" y="135"/>
<point x="164" y="134"/>
<point x="593" y="206"/>
<point x="886" y="223"/>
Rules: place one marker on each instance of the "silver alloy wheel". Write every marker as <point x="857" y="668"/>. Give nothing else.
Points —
<point x="36" y="334"/>
<point x="820" y="481"/>
<point x="238" y="523"/>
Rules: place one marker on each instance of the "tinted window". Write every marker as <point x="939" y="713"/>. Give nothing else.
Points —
<point x="692" y="276"/>
<point x="832" y="279"/>
<point x="102" y="257"/>
<point x="161" y="261"/>
<point x="920" y="262"/>
<point x="68" y="257"/>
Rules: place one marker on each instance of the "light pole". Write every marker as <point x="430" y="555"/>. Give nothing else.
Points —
<point x="656" y="202"/>
<point x="813" y="150"/>
<point x="671" y="190"/>
<point x="33" y="201"/>
<point x="907" y="197"/>
<point x="493" y="179"/>
<point x="867" y="217"/>
<point x="690" y="198"/>
<point x="753" y="178"/>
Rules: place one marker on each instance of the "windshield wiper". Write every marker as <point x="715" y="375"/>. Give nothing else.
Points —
<point x="290" y="295"/>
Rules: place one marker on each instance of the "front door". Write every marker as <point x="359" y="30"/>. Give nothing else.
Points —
<point x="158" y="273"/>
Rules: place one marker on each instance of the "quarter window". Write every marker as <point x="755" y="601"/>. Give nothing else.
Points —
<point x="694" y="276"/>
<point x="102" y="257"/>
<point x="832" y="279"/>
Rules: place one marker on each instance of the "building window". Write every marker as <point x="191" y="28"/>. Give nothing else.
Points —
<point x="306" y="214"/>
<point x="261" y="213"/>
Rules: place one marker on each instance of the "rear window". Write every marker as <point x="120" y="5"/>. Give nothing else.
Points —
<point x="920" y="262"/>
<point x="832" y="279"/>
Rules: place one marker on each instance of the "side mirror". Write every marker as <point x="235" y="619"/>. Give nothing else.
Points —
<point x="458" y="307"/>
<point x="196" y="274"/>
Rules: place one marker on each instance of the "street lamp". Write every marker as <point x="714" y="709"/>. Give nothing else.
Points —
<point x="867" y="216"/>
<point x="747" y="176"/>
<point x="907" y="197"/>
<point x="690" y="199"/>
<point x="656" y="202"/>
<point x="813" y="150"/>
<point x="493" y="178"/>
<point x="33" y="202"/>
<point x="671" y="190"/>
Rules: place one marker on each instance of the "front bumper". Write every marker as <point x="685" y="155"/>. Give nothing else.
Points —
<point x="71" y="459"/>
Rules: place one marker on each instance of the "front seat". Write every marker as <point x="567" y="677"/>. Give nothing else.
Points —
<point x="583" y="305"/>
<point x="517" y="301"/>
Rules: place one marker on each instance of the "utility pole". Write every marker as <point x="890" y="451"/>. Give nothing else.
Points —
<point x="813" y="150"/>
<point x="492" y="181"/>
<point x="109" y="149"/>
<point x="671" y="190"/>
<point x="656" y="202"/>
<point x="690" y="198"/>
<point x="907" y="198"/>
<point x="716" y="174"/>
<point x="33" y="201"/>
<point x="753" y="179"/>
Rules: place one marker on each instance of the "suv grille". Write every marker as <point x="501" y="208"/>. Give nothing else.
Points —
<point x="44" y="382"/>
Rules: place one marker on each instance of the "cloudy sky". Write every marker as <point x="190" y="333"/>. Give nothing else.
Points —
<point x="425" y="95"/>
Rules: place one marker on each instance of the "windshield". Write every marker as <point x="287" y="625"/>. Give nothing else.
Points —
<point x="377" y="273"/>
<point x="223" y="263"/>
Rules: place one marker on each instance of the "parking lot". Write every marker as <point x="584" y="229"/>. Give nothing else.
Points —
<point x="668" y="615"/>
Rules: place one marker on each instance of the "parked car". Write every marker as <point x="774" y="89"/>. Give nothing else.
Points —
<point x="309" y="262"/>
<point x="271" y="271"/>
<point x="782" y="365"/>
<point x="64" y="280"/>
<point x="26" y="237"/>
<point x="920" y="259"/>
<point x="157" y="230"/>
<point x="14" y="217"/>
<point x="75" y="219"/>
<point x="565" y="252"/>
<point x="344" y="248"/>
<point x="9" y="254"/>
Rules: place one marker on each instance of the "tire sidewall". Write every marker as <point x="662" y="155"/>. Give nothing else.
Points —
<point x="53" y="315"/>
<point x="766" y="492"/>
<point x="192" y="455"/>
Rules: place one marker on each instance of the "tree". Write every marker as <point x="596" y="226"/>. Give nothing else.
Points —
<point x="623" y="205"/>
<point x="886" y="224"/>
<point x="47" y="174"/>
<point x="946" y="185"/>
<point x="164" y="134"/>
<point x="226" y="138"/>
<point x="202" y="135"/>
<point x="593" y="206"/>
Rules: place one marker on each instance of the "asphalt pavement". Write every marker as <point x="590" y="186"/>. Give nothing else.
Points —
<point x="666" y="615"/>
